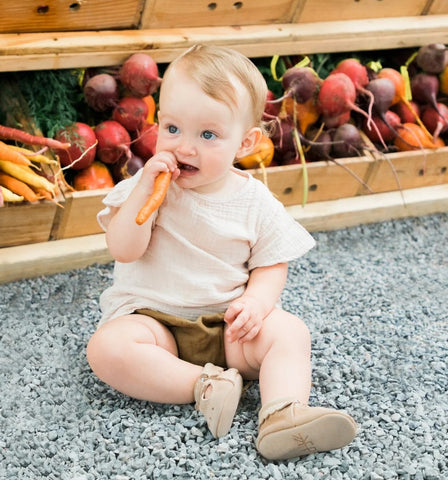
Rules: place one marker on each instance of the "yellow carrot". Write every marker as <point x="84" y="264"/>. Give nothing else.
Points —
<point x="27" y="175"/>
<point x="18" y="187"/>
<point x="7" y="153"/>
<point x="35" y="157"/>
<point x="9" y="196"/>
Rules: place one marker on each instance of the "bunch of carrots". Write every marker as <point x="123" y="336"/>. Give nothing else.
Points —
<point x="21" y="175"/>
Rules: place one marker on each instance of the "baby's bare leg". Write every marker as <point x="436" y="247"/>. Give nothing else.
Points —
<point x="137" y="356"/>
<point x="279" y="356"/>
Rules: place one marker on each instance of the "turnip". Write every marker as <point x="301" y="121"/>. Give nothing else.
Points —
<point x="131" y="112"/>
<point x="113" y="141"/>
<point x="101" y="92"/>
<point x="81" y="152"/>
<point x="432" y="58"/>
<point x="140" y="75"/>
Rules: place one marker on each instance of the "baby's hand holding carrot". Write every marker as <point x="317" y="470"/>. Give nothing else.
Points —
<point x="162" y="167"/>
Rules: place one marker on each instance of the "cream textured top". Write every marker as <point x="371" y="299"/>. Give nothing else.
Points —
<point x="201" y="249"/>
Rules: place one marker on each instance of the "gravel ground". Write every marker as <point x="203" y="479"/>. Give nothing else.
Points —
<point x="375" y="299"/>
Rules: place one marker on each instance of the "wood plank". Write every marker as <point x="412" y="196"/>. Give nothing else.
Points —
<point x="380" y="207"/>
<point x="29" y="261"/>
<point x="84" y="49"/>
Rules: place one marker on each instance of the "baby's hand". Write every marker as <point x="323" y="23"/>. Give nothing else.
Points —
<point x="244" y="317"/>
<point x="160" y="162"/>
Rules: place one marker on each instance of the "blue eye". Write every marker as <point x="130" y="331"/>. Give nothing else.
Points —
<point x="173" y="129"/>
<point x="208" y="135"/>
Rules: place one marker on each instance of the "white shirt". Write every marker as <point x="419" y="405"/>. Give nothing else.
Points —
<point x="201" y="249"/>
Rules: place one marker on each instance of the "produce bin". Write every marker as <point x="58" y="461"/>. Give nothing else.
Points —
<point x="59" y="34"/>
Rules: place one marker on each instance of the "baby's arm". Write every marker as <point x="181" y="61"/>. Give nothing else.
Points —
<point x="246" y="314"/>
<point x="126" y="240"/>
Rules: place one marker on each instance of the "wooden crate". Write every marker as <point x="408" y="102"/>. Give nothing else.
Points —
<point x="200" y="13"/>
<point x="26" y="223"/>
<point x="343" y="10"/>
<point x="29" y="16"/>
<point x="326" y="181"/>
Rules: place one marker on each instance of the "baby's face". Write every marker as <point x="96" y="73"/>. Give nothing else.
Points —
<point x="204" y="134"/>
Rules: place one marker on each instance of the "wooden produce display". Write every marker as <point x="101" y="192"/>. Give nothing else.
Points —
<point x="59" y="34"/>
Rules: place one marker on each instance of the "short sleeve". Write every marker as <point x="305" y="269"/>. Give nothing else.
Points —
<point x="115" y="198"/>
<point x="280" y="238"/>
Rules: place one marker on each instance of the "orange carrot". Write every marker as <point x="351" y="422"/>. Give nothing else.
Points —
<point x="24" y="137"/>
<point x="156" y="198"/>
<point x="11" y="155"/>
<point x="18" y="187"/>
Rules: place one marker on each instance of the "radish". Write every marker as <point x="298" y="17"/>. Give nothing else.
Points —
<point x="436" y="121"/>
<point x="113" y="141"/>
<point x="140" y="75"/>
<point x="432" y="58"/>
<point x="101" y="92"/>
<point x="82" y="150"/>
<point x="144" y="144"/>
<point x="424" y="88"/>
<point x="131" y="112"/>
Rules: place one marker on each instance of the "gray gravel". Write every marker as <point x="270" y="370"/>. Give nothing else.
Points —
<point x="375" y="298"/>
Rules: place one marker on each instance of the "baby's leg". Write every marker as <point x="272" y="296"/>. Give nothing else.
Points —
<point x="288" y="427"/>
<point x="137" y="356"/>
<point x="280" y="356"/>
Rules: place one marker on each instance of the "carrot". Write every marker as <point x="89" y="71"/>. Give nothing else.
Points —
<point x="9" y="196"/>
<point x="156" y="198"/>
<point x="24" y="137"/>
<point x="34" y="156"/>
<point x="7" y="153"/>
<point x="18" y="187"/>
<point x="25" y="174"/>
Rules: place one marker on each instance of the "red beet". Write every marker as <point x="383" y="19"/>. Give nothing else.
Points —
<point x="101" y="92"/>
<point x="432" y="58"/>
<point x="387" y="127"/>
<point x="113" y="141"/>
<point x="81" y="153"/>
<point x="347" y="141"/>
<point x="436" y="121"/>
<point x="301" y="83"/>
<point x="144" y="145"/>
<point x="140" y="75"/>
<point x="131" y="112"/>
<point x="405" y="113"/>
<point x="424" y="88"/>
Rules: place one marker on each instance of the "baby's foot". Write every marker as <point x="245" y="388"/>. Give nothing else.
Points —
<point x="217" y="393"/>
<point x="293" y="430"/>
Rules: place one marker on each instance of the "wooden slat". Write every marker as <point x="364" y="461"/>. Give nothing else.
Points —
<point x="84" y="49"/>
<point x="28" y="261"/>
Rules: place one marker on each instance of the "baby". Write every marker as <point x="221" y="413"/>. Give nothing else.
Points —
<point x="195" y="304"/>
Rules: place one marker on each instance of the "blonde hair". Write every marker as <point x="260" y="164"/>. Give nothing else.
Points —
<point x="213" y="68"/>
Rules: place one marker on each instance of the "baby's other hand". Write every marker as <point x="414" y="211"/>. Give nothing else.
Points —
<point x="244" y="318"/>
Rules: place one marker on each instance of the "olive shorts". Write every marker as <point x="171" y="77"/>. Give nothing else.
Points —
<point x="198" y="341"/>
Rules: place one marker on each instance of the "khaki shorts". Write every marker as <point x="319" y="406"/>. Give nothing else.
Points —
<point x="198" y="341"/>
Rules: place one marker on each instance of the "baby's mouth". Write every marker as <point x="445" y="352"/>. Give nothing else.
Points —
<point x="186" y="168"/>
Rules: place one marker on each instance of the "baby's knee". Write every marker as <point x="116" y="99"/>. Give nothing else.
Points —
<point x="102" y="350"/>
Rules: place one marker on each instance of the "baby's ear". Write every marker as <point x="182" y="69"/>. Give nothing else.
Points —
<point x="251" y="138"/>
